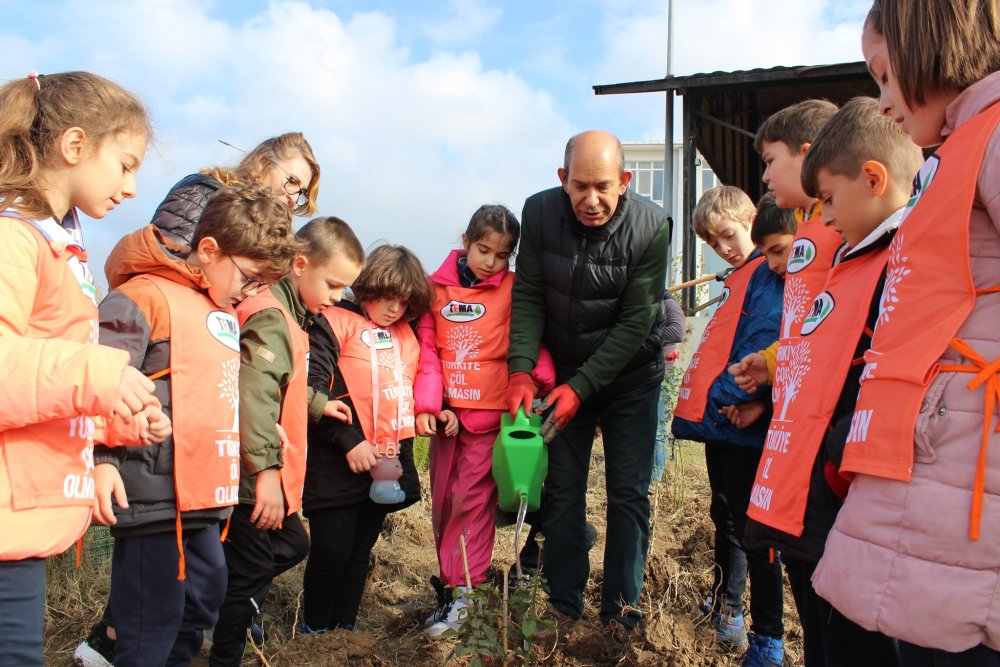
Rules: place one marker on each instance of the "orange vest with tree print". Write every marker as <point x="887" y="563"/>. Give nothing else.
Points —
<point x="712" y="356"/>
<point x="473" y="326"/>
<point x="294" y="417"/>
<point x="824" y="357"/>
<point x="928" y="272"/>
<point x="46" y="486"/>
<point x="205" y="397"/>
<point x="360" y="341"/>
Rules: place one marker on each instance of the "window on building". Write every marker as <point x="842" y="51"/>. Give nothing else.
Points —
<point x="647" y="178"/>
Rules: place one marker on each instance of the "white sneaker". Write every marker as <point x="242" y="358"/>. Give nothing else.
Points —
<point x="86" y="655"/>
<point x="454" y="617"/>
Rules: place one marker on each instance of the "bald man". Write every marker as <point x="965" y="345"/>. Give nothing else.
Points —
<point x="591" y="270"/>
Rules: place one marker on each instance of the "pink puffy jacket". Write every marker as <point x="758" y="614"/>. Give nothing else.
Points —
<point x="899" y="559"/>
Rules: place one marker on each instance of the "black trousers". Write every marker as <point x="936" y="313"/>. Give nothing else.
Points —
<point x="918" y="656"/>
<point x="830" y="639"/>
<point x="255" y="557"/>
<point x="731" y="471"/>
<point x="334" y="581"/>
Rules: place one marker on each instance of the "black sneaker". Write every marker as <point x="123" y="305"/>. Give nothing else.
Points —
<point x="97" y="650"/>
<point x="444" y="597"/>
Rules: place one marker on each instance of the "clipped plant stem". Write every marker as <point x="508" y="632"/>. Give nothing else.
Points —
<point x="503" y="615"/>
<point x="465" y="562"/>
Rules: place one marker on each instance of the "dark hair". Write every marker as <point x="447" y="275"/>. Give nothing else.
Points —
<point x="858" y="133"/>
<point x="493" y="218"/>
<point x="771" y="220"/>
<point x="393" y="271"/>
<point x="937" y="45"/>
<point x="37" y="111"/>
<point x="795" y="125"/>
<point x="326" y="237"/>
<point x="246" y="221"/>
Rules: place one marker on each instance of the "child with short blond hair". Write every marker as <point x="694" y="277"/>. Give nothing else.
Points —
<point x="747" y="318"/>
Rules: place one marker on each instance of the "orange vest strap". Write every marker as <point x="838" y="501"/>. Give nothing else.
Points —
<point x="181" y="567"/>
<point x="225" y="529"/>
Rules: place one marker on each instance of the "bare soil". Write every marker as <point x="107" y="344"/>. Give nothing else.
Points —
<point x="398" y="596"/>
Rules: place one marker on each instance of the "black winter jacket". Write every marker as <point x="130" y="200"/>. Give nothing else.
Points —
<point x="180" y="210"/>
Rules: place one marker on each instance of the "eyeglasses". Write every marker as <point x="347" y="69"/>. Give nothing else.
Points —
<point x="251" y="284"/>
<point x="293" y="186"/>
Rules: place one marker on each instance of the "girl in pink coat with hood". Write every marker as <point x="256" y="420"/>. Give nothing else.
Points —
<point x="460" y="384"/>
<point x="915" y="551"/>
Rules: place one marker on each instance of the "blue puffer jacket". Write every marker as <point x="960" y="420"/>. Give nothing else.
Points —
<point x="758" y="327"/>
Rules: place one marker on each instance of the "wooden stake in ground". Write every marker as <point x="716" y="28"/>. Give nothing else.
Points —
<point x="465" y="563"/>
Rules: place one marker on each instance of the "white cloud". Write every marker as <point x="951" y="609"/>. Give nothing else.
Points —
<point x="465" y="21"/>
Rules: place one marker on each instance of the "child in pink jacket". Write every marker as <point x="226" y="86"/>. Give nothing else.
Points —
<point x="461" y="382"/>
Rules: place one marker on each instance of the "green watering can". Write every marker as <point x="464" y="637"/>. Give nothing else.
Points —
<point x="520" y="462"/>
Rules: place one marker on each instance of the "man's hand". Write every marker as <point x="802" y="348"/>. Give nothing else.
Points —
<point x="750" y="373"/>
<point x="269" y="510"/>
<point x="134" y="392"/>
<point x="362" y="458"/>
<point x="520" y="393"/>
<point x="107" y="483"/>
<point x="338" y="410"/>
<point x="450" y="420"/>
<point x="743" y="415"/>
<point x="564" y="402"/>
<point x="425" y="424"/>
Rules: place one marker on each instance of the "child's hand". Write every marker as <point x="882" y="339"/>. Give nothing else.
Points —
<point x="157" y="425"/>
<point x="750" y="373"/>
<point x="269" y="509"/>
<point x="338" y="410"/>
<point x="425" y="424"/>
<point x="107" y="482"/>
<point x="362" y="458"/>
<point x="450" y="423"/>
<point x="745" y="414"/>
<point x="134" y="392"/>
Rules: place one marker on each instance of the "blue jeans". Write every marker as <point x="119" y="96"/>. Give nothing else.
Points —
<point x="159" y="620"/>
<point x="22" y="608"/>
<point x="628" y="422"/>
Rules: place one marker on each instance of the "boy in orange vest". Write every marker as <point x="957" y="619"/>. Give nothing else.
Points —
<point x="772" y="232"/>
<point x="860" y="168"/>
<point x="175" y="317"/>
<point x="748" y="317"/>
<point x="783" y="141"/>
<point x="266" y="536"/>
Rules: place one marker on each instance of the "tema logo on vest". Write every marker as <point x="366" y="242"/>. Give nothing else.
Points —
<point x="459" y="311"/>
<point x="724" y="296"/>
<point x="383" y="339"/>
<point x="802" y="254"/>
<point x="822" y="306"/>
<point x="224" y="328"/>
<point x="923" y="180"/>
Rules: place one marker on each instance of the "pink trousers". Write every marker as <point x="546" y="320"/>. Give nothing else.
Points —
<point x="464" y="502"/>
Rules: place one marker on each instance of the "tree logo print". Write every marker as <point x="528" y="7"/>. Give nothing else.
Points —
<point x="795" y="302"/>
<point x="230" y="389"/>
<point x="894" y="275"/>
<point x="792" y="369"/>
<point x="801" y="255"/>
<point x="822" y="306"/>
<point x="464" y="341"/>
<point x="460" y="311"/>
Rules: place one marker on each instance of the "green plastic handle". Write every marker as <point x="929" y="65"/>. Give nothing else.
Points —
<point x="520" y="419"/>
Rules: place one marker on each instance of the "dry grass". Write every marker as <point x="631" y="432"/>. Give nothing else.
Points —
<point x="398" y="597"/>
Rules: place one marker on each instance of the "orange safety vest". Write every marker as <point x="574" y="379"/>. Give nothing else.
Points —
<point x="905" y="352"/>
<point x="812" y="372"/>
<point x="473" y="326"/>
<point x="294" y="399"/>
<point x="712" y="356"/>
<point x="360" y="344"/>
<point x="205" y="397"/>
<point x="48" y="465"/>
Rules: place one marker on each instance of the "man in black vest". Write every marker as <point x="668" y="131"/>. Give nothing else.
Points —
<point x="590" y="276"/>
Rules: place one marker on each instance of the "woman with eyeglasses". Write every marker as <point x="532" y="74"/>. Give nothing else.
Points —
<point x="286" y="166"/>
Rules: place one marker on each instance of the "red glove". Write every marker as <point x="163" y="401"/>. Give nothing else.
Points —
<point x="520" y="392"/>
<point x="564" y="402"/>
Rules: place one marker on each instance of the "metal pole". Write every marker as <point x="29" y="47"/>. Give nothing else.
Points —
<point x="669" y="196"/>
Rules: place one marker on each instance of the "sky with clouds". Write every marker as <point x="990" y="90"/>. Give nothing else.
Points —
<point x="418" y="111"/>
